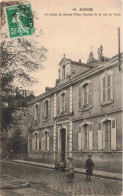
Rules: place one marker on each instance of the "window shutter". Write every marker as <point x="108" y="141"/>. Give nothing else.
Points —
<point x="33" y="144"/>
<point x="90" y="93"/>
<point x="79" y="139"/>
<point x="33" y="115"/>
<point x="80" y="97"/>
<point x="42" y="142"/>
<point x="58" y="105"/>
<point x="108" y="87"/>
<point x="60" y="98"/>
<point x="113" y="135"/>
<point x="48" y="141"/>
<point x="66" y="102"/>
<point x="90" y="137"/>
<point x="104" y="89"/>
<point x="43" y="110"/>
<point x="37" y="144"/>
<point x="38" y="112"/>
<point x="49" y="105"/>
<point x="103" y="138"/>
<point x="58" y="140"/>
<point x="99" y="137"/>
<point x="82" y="132"/>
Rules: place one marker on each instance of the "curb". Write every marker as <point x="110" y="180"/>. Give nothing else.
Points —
<point x="11" y="187"/>
<point x="80" y="172"/>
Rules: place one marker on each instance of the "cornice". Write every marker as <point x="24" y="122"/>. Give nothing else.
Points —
<point x="78" y="78"/>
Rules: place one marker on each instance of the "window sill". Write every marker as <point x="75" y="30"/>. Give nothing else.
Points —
<point x="63" y="115"/>
<point x="86" y="108"/>
<point x="44" y="120"/>
<point x="107" y="103"/>
<point x="36" y="122"/>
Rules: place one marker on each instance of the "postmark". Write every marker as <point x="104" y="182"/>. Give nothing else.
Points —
<point x="20" y="20"/>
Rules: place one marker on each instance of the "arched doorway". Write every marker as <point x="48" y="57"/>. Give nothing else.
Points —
<point x="63" y="143"/>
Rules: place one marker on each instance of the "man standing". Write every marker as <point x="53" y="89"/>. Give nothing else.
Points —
<point x="89" y="167"/>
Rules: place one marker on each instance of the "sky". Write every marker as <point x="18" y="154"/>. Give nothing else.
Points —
<point x="74" y="35"/>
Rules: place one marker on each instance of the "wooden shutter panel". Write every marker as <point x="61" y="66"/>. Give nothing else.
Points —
<point x="33" y="144"/>
<point x="90" y="137"/>
<point x="80" y="97"/>
<point x="104" y="89"/>
<point x="113" y="134"/>
<point x="82" y="132"/>
<point x="49" y="105"/>
<point x="37" y="144"/>
<point x="108" y="87"/>
<point x="90" y="93"/>
<point x="58" y="140"/>
<point x="103" y="138"/>
<point x="38" y="112"/>
<point x="99" y="137"/>
<point x="79" y="139"/>
<point x="43" y="110"/>
<point x="58" y="105"/>
<point x="66" y="102"/>
<point x="48" y="141"/>
<point x="42" y="142"/>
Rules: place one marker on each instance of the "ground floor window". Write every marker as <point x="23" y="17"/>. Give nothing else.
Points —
<point x="107" y="134"/>
<point x="35" y="142"/>
<point x="85" y="137"/>
<point x="45" y="141"/>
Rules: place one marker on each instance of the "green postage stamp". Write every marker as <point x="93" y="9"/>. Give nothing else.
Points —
<point x="20" y="20"/>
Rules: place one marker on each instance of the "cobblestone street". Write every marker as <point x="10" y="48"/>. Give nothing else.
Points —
<point x="50" y="182"/>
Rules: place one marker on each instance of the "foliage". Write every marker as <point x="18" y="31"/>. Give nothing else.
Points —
<point x="17" y="144"/>
<point x="19" y="58"/>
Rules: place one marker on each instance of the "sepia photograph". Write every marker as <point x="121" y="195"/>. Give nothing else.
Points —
<point x="61" y="98"/>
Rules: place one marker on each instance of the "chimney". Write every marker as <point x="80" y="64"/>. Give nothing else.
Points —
<point x="98" y="52"/>
<point x="101" y="51"/>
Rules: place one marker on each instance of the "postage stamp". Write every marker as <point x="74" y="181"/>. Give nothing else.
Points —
<point x="20" y="20"/>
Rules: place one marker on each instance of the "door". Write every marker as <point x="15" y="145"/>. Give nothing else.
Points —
<point x="63" y="144"/>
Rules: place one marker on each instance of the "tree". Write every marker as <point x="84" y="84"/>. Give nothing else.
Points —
<point x="19" y="58"/>
<point x="17" y="144"/>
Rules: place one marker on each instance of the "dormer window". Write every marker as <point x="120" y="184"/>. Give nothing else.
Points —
<point x="63" y="72"/>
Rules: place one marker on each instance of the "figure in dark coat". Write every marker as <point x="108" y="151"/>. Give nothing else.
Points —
<point x="89" y="167"/>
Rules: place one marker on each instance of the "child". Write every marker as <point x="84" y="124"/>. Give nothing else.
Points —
<point x="70" y="174"/>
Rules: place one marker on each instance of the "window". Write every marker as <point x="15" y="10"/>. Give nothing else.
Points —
<point x="106" y="88"/>
<point x="46" y="109"/>
<point x="35" y="142"/>
<point x="85" y="95"/>
<point x="63" y="72"/>
<point x="107" y="134"/>
<point x="36" y="112"/>
<point x="62" y="103"/>
<point x="85" y="137"/>
<point x="45" y="141"/>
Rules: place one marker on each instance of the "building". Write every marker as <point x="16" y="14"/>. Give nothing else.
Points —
<point x="80" y="115"/>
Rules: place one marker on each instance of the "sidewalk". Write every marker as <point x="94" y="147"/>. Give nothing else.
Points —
<point x="97" y="173"/>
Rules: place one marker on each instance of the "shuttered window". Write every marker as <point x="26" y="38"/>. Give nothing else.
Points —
<point x="106" y="89"/>
<point x="85" y="95"/>
<point x="99" y="136"/>
<point x="45" y="141"/>
<point x="46" y="109"/>
<point x="85" y="137"/>
<point x="62" y="103"/>
<point x="107" y="135"/>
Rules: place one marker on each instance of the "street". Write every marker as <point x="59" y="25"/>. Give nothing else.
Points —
<point x="50" y="182"/>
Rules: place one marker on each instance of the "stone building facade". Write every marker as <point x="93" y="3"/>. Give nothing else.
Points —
<point x="82" y="114"/>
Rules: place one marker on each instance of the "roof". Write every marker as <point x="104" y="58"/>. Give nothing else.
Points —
<point x="79" y="77"/>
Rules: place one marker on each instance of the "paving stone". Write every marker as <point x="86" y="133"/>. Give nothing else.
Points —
<point x="50" y="183"/>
